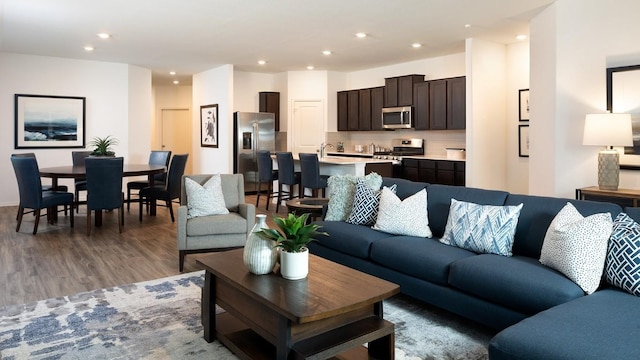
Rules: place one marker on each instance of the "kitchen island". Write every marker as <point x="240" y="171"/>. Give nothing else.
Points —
<point x="338" y="165"/>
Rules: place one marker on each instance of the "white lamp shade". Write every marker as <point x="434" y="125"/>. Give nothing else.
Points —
<point x="608" y="130"/>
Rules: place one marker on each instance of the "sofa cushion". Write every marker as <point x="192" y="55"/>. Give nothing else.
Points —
<point x="598" y="326"/>
<point x="423" y="258"/>
<point x="403" y="217"/>
<point x="481" y="228"/>
<point x="622" y="267"/>
<point x="440" y="200"/>
<point x="538" y="212"/>
<point x="347" y="238"/>
<point x="577" y="246"/>
<point x="517" y="282"/>
<point x="405" y="188"/>
<point x="341" y="189"/>
<point x="231" y="223"/>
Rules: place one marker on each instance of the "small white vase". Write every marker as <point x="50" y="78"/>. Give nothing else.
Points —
<point x="259" y="254"/>
<point x="294" y="266"/>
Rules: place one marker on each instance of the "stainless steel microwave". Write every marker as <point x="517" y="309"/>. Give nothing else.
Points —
<point x="396" y="118"/>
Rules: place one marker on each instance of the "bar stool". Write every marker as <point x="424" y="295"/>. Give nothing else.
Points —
<point x="266" y="174"/>
<point x="286" y="176"/>
<point x="311" y="178"/>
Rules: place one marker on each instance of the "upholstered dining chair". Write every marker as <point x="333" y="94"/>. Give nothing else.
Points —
<point x="287" y="176"/>
<point x="157" y="157"/>
<point x="31" y="194"/>
<point x="311" y="178"/>
<point x="266" y="174"/>
<point x="80" y="184"/>
<point x="104" y="187"/>
<point x="215" y="232"/>
<point x="168" y="191"/>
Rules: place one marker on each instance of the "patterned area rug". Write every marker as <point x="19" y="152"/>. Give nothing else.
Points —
<point x="160" y="319"/>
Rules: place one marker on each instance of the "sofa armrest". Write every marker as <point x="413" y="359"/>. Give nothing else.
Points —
<point x="248" y="211"/>
<point x="182" y="227"/>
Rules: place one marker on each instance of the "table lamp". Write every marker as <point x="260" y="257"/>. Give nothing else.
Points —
<point x="608" y="130"/>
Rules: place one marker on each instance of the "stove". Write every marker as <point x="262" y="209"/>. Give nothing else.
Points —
<point x="400" y="148"/>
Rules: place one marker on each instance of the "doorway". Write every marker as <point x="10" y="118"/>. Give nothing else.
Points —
<point x="176" y="133"/>
<point x="308" y="126"/>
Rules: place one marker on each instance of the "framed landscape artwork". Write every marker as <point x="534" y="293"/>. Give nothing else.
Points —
<point x="209" y="125"/>
<point x="523" y="102"/>
<point x="523" y="140"/>
<point x="46" y="122"/>
<point x="623" y="96"/>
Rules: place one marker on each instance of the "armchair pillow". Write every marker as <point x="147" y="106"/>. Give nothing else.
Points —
<point x="622" y="267"/>
<point x="403" y="217"/>
<point x="204" y="200"/>
<point x="577" y="246"/>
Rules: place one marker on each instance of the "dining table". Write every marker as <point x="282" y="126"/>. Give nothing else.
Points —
<point x="79" y="172"/>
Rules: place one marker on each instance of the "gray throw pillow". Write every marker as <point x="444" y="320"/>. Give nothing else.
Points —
<point x="207" y="199"/>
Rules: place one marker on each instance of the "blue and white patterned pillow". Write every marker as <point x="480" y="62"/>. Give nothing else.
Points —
<point x="623" y="257"/>
<point x="341" y="189"/>
<point x="403" y="217"/>
<point x="365" y="204"/>
<point x="207" y="199"/>
<point x="481" y="228"/>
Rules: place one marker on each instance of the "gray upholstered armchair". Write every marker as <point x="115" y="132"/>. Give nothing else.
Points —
<point x="215" y="232"/>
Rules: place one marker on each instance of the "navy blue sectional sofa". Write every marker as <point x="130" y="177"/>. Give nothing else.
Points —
<point x="540" y="313"/>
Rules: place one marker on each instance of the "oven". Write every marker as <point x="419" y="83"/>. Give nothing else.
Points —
<point x="400" y="148"/>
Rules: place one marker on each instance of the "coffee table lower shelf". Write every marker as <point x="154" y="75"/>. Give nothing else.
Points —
<point x="341" y="343"/>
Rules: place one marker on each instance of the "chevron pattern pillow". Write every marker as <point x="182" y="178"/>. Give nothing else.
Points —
<point x="623" y="257"/>
<point x="481" y="228"/>
<point x="365" y="204"/>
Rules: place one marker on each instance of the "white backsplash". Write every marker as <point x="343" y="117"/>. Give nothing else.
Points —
<point x="436" y="141"/>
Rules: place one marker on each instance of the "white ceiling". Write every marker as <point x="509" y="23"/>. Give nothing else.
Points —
<point x="190" y="36"/>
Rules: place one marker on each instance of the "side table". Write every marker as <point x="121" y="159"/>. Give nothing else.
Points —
<point x="313" y="206"/>
<point x="594" y="191"/>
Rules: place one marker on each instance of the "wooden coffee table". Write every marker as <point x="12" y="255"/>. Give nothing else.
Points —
<point x="329" y="314"/>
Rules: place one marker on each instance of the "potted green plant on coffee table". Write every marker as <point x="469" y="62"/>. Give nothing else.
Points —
<point x="102" y="146"/>
<point x="294" y="236"/>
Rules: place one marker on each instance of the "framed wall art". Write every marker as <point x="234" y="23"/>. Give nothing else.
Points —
<point x="209" y="125"/>
<point x="47" y="122"/>
<point x="623" y="96"/>
<point x="523" y="104"/>
<point x="523" y="140"/>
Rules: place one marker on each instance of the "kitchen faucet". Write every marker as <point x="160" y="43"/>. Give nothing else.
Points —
<point x="322" y="147"/>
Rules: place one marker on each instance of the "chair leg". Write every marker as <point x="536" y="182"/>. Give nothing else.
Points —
<point x="120" y="217"/>
<point x="170" y="206"/>
<point x="269" y="191"/>
<point x="128" y="198"/>
<point x="140" y="208"/>
<point x="279" y="197"/>
<point x="181" y="261"/>
<point x="19" y="218"/>
<point x="71" y="213"/>
<point x="35" y="225"/>
<point x="88" y="222"/>
<point x="258" y="193"/>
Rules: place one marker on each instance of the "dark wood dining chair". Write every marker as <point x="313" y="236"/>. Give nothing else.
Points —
<point x="104" y="187"/>
<point x="80" y="184"/>
<point x="31" y="194"/>
<point x="266" y="174"/>
<point x="169" y="191"/>
<point x="157" y="157"/>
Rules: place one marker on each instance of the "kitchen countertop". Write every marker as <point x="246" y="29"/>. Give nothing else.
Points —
<point x="353" y="154"/>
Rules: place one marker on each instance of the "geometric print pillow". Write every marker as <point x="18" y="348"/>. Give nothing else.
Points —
<point x="341" y="189"/>
<point x="481" y="228"/>
<point x="403" y="217"/>
<point x="623" y="256"/>
<point x="365" y="204"/>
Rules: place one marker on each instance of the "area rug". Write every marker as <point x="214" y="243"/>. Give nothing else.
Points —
<point x="160" y="319"/>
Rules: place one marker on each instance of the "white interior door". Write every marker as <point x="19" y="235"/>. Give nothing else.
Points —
<point x="308" y="126"/>
<point x="176" y="133"/>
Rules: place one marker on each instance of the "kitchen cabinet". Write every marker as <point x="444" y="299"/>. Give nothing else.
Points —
<point x="377" y="103"/>
<point x="364" y="109"/>
<point x="447" y="101"/>
<point x="421" y="105"/>
<point x="444" y="172"/>
<point x="269" y="101"/>
<point x="398" y="91"/>
<point x="438" y="104"/>
<point x="360" y="110"/>
<point x="353" y="109"/>
<point x="343" y="110"/>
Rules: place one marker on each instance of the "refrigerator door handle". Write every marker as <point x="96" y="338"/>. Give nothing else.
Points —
<point x="256" y="141"/>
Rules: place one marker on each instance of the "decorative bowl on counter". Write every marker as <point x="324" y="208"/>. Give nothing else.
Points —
<point x="456" y="153"/>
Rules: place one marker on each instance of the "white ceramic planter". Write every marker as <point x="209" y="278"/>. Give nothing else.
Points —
<point x="294" y="266"/>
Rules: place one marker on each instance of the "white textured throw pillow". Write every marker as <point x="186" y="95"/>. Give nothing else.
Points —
<point x="406" y="217"/>
<point x="485" y="229"/>
<point x="207" y="199"/>
<point x="577" y="246"/>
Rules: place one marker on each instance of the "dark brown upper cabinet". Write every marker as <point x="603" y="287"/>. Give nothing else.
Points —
<point x="343" y="110"/>
<point x="399" y="90"/>
<point x="269" y="101"/>
<point x="421" y="106"/>
<point x="377" y="103"/>
<point x="353" y="110"/>
<point x="438" y="104"/>
<point x="364" y="115"/>
<point x="457" y="103"/>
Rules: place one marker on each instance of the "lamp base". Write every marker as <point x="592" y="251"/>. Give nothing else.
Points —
<point x="608" y="169"/>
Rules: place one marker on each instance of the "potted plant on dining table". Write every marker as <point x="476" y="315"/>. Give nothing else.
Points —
<point x="294" y="236"/>
<point x="102" y="146"/>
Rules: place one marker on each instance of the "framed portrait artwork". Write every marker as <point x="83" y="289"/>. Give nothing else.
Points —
<point x="47" y="122"/>
<point x="209" y="125"/>
<point x="623" y="96"/>
<point x="523" y="102"/>
<point x="523" y="140"/>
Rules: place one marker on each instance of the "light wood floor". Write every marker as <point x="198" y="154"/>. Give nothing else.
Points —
<point x="60" y="261"/>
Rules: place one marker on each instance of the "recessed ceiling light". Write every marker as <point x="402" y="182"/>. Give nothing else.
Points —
<point x="326" y="52"/>
<point x="172" y="72"/>
<point x="88" y="48"/>
<point x="361" y="35"/>
<point x="176" y="82"/>
<point x="310" y="67"/>
<point x="104" y="36"/>
<point x="262" y="62"/>
<point x="467" y="25"/>
<point x="521" y="37"/>
<point x="416" y="45"/>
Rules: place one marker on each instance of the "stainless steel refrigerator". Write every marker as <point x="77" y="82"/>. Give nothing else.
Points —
<point x="251" y="132"/>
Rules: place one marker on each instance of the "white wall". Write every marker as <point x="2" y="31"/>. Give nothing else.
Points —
<point x="572" y="43"/>
<point x="214" y="86"/>
<point x="140" y="115"/>
<point x="304" y="85"/>
<point x="517" y="170"/>
<point x="246" y="86"/>
<point x="167" y="97"/>
<point x="109" y="89"/>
